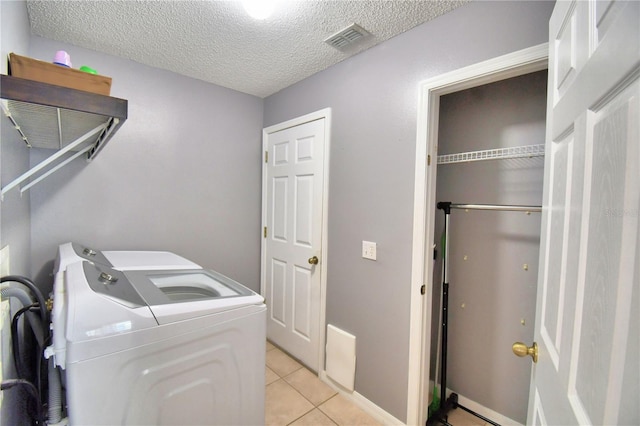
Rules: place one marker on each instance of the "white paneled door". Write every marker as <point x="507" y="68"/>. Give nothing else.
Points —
<point x="293" y="234"/>
<point x="587" y="322"/>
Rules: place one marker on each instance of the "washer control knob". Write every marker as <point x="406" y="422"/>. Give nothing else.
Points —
<point x="107" y="278"/>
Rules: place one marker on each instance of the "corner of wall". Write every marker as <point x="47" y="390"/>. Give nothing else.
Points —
<point x="15" y="222"/>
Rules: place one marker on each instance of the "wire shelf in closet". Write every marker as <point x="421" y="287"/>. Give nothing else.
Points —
<point x="526" y="151"/>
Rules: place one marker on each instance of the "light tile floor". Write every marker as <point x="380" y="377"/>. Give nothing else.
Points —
<point x="296" y="396"/>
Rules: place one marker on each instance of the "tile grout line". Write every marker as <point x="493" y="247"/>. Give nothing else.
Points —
<point x="311" y="402"/>
<point x="314" y="406"/>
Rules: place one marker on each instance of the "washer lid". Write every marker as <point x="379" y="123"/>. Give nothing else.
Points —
<point x="182" y="294"/>
<point x="128" y="260"/>
<point x="122" y="260"/>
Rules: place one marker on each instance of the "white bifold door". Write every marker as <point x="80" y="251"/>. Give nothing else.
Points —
<point x="588" y="322"/>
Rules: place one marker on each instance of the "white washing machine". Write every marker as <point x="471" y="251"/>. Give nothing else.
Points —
<point x="123" y="260"/>
<point x="161" y="347"/>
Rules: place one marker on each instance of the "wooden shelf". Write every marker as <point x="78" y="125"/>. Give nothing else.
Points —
<point x="59" y="118"/>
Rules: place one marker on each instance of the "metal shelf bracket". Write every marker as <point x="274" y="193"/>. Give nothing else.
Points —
<point x="49" y="161"/>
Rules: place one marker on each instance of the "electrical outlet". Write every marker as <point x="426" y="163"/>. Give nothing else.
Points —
<point x="4" y="261"/>
<point x="369" y="250"/>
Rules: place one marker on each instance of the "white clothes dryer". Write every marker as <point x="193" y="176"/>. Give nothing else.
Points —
<point x="162" y="347"/>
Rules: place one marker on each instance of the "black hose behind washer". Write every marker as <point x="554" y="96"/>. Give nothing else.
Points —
<point x="36" y="292"/>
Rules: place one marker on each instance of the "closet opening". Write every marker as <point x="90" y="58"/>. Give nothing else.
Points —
<point x="425" y="232"/>
<point x="490" y="158"/>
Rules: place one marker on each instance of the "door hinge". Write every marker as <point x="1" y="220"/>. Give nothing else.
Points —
<point x="423" y="289"/>
<point x="264" y="232"/>
<point x="266" y="156"/>
<point x="429" y="160"/>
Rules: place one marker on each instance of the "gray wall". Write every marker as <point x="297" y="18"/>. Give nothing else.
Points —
<point x="15" y="225"/>
<point x="490" y="291"/>
<point x="15" y="221"/>
<point x="182" y="174"/>
<point x="374" y="98"/>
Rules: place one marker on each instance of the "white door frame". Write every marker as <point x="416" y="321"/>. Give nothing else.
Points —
<point x="511" y="65"/>
<point x="317" y="115"/>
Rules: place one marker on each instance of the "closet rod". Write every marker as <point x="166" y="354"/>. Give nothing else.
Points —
<point x="489" y="207"/>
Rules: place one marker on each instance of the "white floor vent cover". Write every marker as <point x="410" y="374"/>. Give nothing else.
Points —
<point x="341" y="357"/>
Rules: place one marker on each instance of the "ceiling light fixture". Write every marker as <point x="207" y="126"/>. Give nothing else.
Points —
<point x="259" y="9"/>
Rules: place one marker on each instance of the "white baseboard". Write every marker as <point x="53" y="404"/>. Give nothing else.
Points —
<point x="387" y="419"/>
<point x="487" y="412"/>
<point x="366" y="405"/>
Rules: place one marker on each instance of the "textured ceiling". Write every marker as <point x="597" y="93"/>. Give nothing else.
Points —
<point x="216" y="41"/>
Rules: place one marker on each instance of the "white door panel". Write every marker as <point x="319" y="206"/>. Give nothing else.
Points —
<point x="294" y="175"/>
<point x="588" y="287"/>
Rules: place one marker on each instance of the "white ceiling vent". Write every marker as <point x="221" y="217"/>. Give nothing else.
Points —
<point x="347" y="36"/>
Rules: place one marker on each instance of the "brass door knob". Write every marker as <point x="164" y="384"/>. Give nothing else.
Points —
<point x="521" y="349"/>
<point x="313" y="260"/>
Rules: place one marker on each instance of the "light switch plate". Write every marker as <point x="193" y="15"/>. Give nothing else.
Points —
<point x="369" y="250"/>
